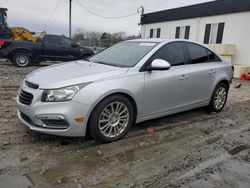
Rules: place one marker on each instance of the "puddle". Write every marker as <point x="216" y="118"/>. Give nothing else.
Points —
<point x="93" y="171"/>
<point x="10" y="162"/>
<point x="120" y="158"/>
<point x="235" y="174"/>
<point x="238" y="149"/>
<point x="205" y="165"/>
<point x="14" y="182"/>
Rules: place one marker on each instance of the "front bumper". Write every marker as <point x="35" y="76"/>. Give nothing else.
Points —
<point x="67" y="110"/>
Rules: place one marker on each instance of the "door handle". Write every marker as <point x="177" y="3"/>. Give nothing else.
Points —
<point x="212" y="71"/>
<point x="183" y="77"/>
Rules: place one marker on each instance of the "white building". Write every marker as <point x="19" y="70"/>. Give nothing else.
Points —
<point x="225" y="23"/>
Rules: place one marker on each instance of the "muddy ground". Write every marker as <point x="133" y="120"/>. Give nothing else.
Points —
<point x="191" y="149"/>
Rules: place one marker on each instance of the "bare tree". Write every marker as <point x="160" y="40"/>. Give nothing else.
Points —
<point x="98" y="39"/>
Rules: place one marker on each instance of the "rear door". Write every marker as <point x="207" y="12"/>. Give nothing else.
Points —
<point x="166" y="90"/>
<point x="202" y="73"/>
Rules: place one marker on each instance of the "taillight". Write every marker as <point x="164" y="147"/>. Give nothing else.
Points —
<point x="1" y="43"/>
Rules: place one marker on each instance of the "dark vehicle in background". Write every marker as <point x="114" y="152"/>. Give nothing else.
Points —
<point x="50" y="48"/>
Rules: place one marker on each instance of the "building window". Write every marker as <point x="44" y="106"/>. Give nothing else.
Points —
<point x="155" y="33"/>
<point x="214" y="33"/>
<point x="182" y="32"/>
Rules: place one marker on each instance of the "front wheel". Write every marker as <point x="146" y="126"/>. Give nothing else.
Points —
<point x="111" y="119"/>
<point x="219" y="98"/>
<point x="21" y="59"/>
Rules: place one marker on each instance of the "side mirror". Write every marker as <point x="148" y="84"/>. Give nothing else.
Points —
<point x="159" y="64"/>
<point x="73" y="45"/>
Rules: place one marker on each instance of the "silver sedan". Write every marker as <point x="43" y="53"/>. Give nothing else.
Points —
<point x="130" y="82"/>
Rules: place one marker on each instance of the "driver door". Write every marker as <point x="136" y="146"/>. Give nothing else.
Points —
<point x="71" y="49"/>
<point x="166" y="90"/>
<point x="53" y="49"/>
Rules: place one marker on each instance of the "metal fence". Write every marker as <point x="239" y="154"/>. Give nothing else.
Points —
<point x="98" y="43"/>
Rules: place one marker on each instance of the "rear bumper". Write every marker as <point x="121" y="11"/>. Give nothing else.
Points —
<point x="3" y="54"/>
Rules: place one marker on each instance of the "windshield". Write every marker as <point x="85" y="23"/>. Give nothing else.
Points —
<point x="124" y="54"/>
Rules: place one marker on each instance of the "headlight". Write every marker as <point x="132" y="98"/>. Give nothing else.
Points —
<point x="62" y="94"/>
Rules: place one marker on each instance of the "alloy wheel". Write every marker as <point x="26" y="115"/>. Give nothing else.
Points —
<point x="220" y="98"/>
<point x="22" y="60"/>
<point x="114" y="119"/>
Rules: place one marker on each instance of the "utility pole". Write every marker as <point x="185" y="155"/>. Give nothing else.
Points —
<point x="140" y="10"/>
<point x="70" y="2"/>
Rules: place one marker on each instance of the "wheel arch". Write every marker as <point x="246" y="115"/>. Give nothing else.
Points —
<point x="225" y="81"/>
<point x="19" y="50"/>
<point x="210" y="106"/>
<point x="122" y="93"/>
<point x="15" y="50"/>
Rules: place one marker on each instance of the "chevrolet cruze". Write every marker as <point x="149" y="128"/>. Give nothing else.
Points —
<point x="130" y="82"/>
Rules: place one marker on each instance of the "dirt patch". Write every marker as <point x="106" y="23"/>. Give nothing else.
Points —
<point x="238" y="149"/>
<point x="191" y="149"/>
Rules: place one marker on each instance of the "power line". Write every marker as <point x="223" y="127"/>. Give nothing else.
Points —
<point x="131" y="5"/>
<point x="105" y="17"/>
<point x="56" y="16"/>
<point x="119" y="4"/>
<point x="52" y="13"/>
<point x="111" y="5"/>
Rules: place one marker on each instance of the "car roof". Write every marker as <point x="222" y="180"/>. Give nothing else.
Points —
<point x="162" y="40"/>
<point x="159" y="40"/>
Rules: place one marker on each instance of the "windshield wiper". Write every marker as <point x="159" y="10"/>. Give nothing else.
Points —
<point x="100" y="62"/>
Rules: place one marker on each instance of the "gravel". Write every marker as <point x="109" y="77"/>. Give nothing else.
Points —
<point x="191" y="149"/>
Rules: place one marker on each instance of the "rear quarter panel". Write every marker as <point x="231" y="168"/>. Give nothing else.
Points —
<point x="224" y="72"/>
<point x="35" y="48"/>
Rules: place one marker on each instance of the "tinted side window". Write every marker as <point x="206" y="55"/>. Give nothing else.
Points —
<point x="66" y="42"/>
<point x="198" y="54"/>
<point x="52" y="40"/>
<point x="212" y="56"/>
<point x="173" y="53"/>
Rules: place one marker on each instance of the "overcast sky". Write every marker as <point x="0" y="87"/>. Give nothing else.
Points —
<point x="52" y="15"/>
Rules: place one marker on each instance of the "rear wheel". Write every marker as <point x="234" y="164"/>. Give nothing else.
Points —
<point x="219" y="98"/>
<point x="111" y="119"/>
<point x="21" y="59"/>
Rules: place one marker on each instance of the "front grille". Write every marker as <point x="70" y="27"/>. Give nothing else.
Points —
<point x="31" y="85"/>
<point x="25" y="97"/>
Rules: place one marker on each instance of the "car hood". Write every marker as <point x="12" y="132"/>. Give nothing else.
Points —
<point x="71" y="73"/>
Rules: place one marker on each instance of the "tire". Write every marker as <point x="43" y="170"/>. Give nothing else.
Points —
<point x="21" y="59"/>
<point x="107" y="125"/>
<point x="219" y="98"/>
